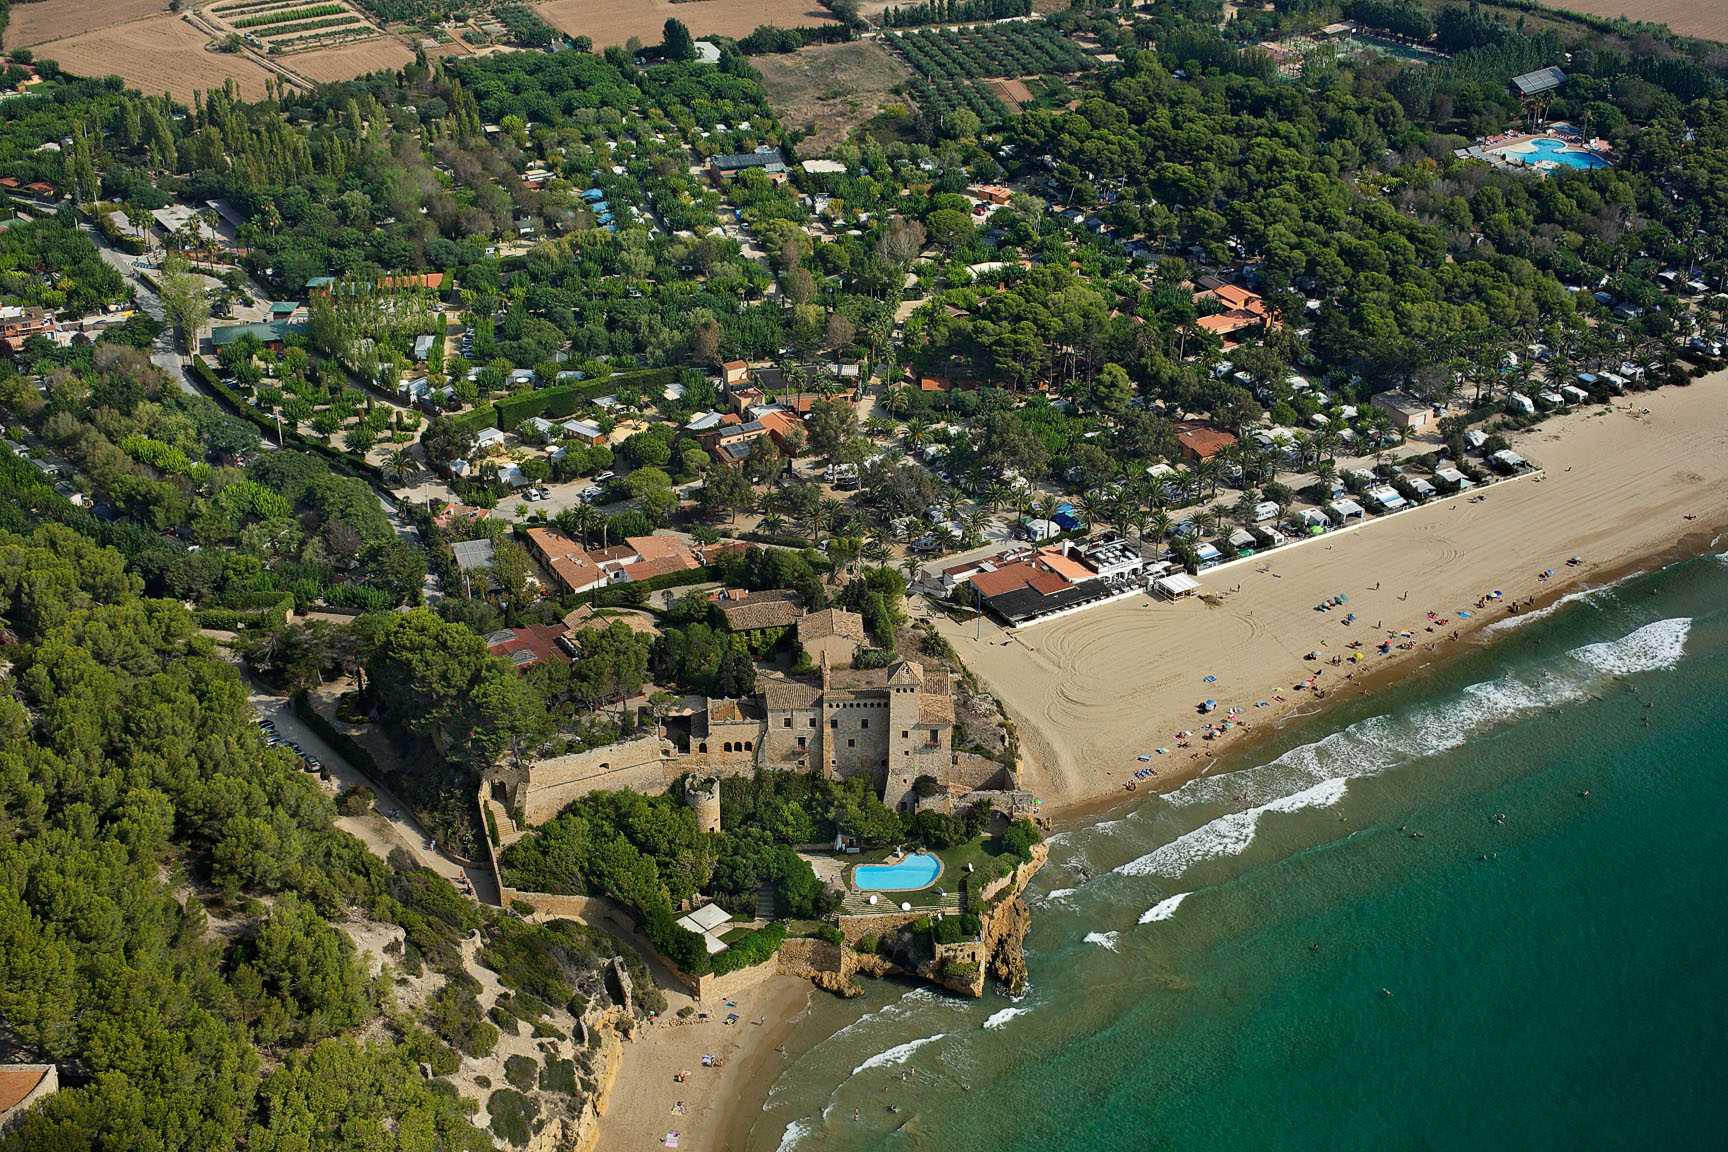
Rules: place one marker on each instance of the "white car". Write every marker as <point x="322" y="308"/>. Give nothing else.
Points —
<point x="591" y="493"/>
<point x="602" y="477"/>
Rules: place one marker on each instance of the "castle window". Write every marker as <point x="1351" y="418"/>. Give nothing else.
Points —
<point x="749" y="745"/>
<point x="864" y="723"/>
<point x="835" y="723"/>
<point x="801" y="741"/>
<point x="851" y="743"/>
<point x="703" y="747"/>
<point x="812" y="721"/>
<point x="786" y="722"/>
<point x="905" y="735"/>
<point x="726" y="747"/>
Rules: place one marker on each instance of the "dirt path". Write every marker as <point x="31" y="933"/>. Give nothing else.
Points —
<point x="390" y="824"/>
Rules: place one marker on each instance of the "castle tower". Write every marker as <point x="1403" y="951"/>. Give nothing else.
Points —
<point x="702" y="793"/>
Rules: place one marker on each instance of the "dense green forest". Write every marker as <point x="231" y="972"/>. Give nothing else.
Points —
<point x="172" y="887"/>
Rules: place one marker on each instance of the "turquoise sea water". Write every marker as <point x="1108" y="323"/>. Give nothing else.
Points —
<point x="1484" y="910"/>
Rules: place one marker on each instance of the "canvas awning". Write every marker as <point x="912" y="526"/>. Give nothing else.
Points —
<point x="1177" y="584"/>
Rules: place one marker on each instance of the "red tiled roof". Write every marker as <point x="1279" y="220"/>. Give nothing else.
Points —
<point x="1204" y="443"/>
<point x="17" y="1083"/>
<point x="1003" y="579"/>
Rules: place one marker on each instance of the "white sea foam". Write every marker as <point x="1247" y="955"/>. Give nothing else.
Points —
<point x="1369" y="747"/>
<point x="1649" y="649"/>
<point x="1103" y="939"/>
<point x="907" y="1005"/>
<point x="1056" y="895"/>
<point x="998" y="1019"/>
<point x="1164" y="909"/>
<point x="1228" y="835"/>
<point x="898" y="1054"/>
<point x="1508" y="623"/>
<point x="795" y="1132"/>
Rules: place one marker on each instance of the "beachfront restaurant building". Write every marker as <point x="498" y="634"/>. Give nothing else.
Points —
<point x="1176" y="585"/>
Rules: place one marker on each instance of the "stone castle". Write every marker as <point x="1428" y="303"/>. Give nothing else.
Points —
<point x="891" y="725"/>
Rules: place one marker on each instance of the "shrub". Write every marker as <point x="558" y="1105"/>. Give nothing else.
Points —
<point x="1019" y="837"/>
<point x="523" y="1072"/>
<point x="357" y="801"/>
<point x="558" y="1075"/>
<point x="513" y="1116"/>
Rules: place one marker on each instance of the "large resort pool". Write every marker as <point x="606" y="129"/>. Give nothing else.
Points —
<point x="1553" y="150"/>
<point x="908" y="875"/>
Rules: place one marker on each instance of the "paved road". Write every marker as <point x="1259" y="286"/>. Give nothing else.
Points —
<point x="379" y="830"/>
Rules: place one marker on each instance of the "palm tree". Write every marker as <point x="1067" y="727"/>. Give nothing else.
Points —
<point x="1158" y="524"/>
<point x="400" y="464"/>
<point x="974" y="522"/>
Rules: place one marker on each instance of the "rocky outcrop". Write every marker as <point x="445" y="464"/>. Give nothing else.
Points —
<point x="1004" y="938"/>
<point x="963" y="968"/>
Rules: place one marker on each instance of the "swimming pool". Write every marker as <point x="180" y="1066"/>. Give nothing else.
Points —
<point x="909" y="875"/>
<point x="1559" y="151"/>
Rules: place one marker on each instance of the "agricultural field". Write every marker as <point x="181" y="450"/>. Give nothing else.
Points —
<point x="30" y="24"/>
<point x="1705" y="19"/>
<point x="979" y="69"/>
<point x="350" y="60"/>
<point x="283" y="27"/>
<point x="154" y="55"/>
<point x="607" y="22"/>
<point x="993" y="50"/>
<point x="831" y="88"/>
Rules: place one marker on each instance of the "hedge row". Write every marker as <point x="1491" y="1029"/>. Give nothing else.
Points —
<point x="238" y="619"/>
<point x="345" y="745"/>
<point x="752" y="949"/>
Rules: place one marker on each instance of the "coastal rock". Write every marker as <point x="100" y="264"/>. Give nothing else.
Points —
<point x="1007" y="951"/>
<point x="842" y="986"/>
<point x="618" y="983"/>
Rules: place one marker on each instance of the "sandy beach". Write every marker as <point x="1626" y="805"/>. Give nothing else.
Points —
<point x="640" y="1111"/>
<point x="1091" y="692"/>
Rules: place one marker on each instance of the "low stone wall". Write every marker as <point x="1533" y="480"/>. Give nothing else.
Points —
<point x="1016" y="879"/>
<point x="855" y="928"/>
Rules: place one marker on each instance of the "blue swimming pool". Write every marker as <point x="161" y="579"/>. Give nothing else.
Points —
<point x="909" y="875"/>
<point x="1549" y="148"/>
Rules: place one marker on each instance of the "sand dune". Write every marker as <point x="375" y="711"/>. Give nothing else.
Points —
<point x="1091" y="692"/>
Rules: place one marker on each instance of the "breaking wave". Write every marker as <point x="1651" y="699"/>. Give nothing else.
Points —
<point x="1650" y="649"/>
<point x="898" y="1054"/>
<point x="998" y="1019"/>
<point x="1103" y="939"/>
<point x="1508" y="623"/>
<point x="1164" y="909"/>
<point x="795" y="1132"/>
<point x="1227" y="835"/>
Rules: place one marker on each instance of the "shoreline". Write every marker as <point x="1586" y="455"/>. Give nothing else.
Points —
<point x="639" y="1112"/>
<point x="1090" y="693"/>
<point x="1474" y="636"/>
